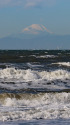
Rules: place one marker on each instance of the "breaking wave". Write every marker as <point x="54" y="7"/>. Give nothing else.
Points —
<point x="30" y="106"/>
<point x="63" y="63"/>
<point x="19" y="79"/>
<point x="12" y="73"/>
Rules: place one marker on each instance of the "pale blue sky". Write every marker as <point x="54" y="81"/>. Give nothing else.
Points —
<point x="15" y="15"/>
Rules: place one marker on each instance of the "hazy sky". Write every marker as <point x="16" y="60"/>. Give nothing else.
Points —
<point x="15" y="15"/>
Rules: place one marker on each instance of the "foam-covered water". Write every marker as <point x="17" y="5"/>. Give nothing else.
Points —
<point x="11" y="78"/>
<point x="34" y="85"/>
<point x="31" y="106"/>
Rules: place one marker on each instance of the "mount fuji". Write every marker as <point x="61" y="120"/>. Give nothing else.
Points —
<point x="35" y="36"/>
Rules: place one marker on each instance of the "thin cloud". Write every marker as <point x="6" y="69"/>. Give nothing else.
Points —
<point x="4" y="2"/>
<point x="33" y="3"/>
<point x="27" y="3"/>
<point x="41" y="3"/>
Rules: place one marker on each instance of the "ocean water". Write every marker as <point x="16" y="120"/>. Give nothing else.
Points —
<point x="35" y="87"/>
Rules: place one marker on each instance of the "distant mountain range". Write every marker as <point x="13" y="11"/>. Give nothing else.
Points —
<point x="35" y="37"/>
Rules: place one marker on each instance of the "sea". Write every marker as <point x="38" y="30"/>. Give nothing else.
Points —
<point x="34" y="87"/>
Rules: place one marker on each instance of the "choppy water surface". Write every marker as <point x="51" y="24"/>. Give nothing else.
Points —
<point x="34" y="85"/>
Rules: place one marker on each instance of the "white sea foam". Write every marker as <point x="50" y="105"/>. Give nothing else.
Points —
<point x="29" y="74"/>
<point x="63" y="63"/>
<point x="46" y="56"/>
<point x="40" y="106"/>
<point x="38" y="79"/>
